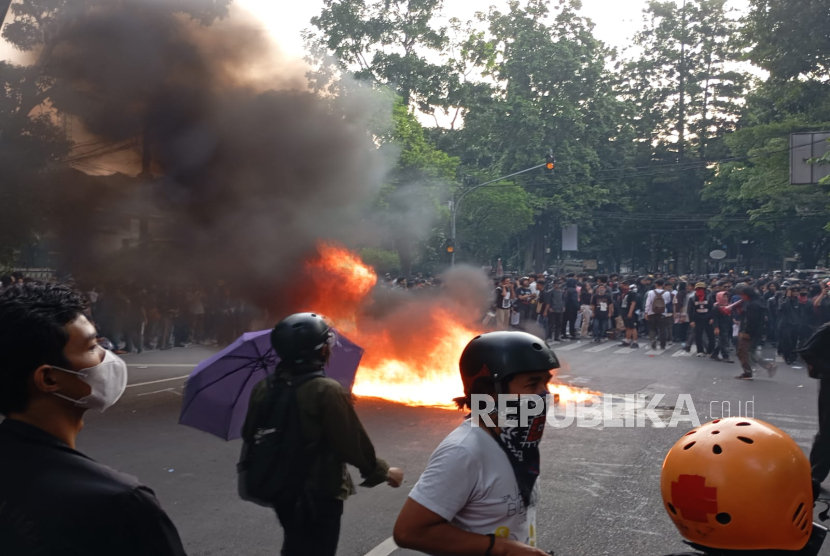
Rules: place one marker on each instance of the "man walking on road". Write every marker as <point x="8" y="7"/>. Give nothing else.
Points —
<point x="331" y="436"/>
<point x="659" y="315"/>
<point x="750" y="333"/>
<point x="54" y="500"/>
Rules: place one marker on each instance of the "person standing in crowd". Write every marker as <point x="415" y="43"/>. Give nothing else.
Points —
<point x="722" y="318"/>
<point x="773" y="301"/>
<point x="681" y="315"/>
<point x="555" y="309"/>
<point x="658" y="314"/>
<point x="805" y="326"/>
<point x="585" y="297"/>
<point x="750" y="333"/>
<point x="57" y="500"/>
<point x="479" y="492"/>
<point x="504" y="303"/>
<point x="571" y="309"/>
<point x="135" y="321"/>
<point x="789" y="323"/>
<point x="602" y="310"/>
<point x="628" y="309"/>
<point x="524" y="303"/>
<point x="332" y="436"/>
<point x="700" y="309"/>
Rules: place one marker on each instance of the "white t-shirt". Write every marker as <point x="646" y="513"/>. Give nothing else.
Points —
<point x="469" y="482"/>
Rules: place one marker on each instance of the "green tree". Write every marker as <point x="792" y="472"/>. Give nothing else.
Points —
<point x="387" y="42"/>
<point x="789" y="38"/>
<point x="410" y="205"/>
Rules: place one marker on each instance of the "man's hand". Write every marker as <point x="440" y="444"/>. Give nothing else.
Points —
<point x="395" y="477"/>
<point x="504" y="547"/>
<point x="711" y="322"/>
<point x="717" y="332"/>
<point x="692" y="324"/>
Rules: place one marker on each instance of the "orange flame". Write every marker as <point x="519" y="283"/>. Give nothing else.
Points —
<point x="421" y="370"/>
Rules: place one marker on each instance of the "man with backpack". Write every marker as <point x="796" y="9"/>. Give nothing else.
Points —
<point x="659" y="314"/>
<point x="300" y="432"/>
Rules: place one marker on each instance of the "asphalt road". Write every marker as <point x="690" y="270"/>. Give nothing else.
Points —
<point x="600" y="485"/>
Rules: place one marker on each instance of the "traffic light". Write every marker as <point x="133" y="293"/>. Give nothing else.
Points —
<point x="450" y="246"/>
<point x="550" y="163"/>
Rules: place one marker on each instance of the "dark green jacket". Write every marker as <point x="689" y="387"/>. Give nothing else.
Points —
<point x="332" y="430"/>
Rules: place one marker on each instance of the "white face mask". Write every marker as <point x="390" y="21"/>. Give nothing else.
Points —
<point x="108" y="381"/>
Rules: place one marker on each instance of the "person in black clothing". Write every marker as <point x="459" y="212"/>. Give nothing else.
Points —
<point x="789" y="323"/>
<point x="524" y="297"/>
<point x="701" y="317"/>
<point x="805" y="317"/>
<point x="602" y="305"/>
<point x="571" y="309"/>
<point x="772" y="300"/>
<point x="722" y="317"/>
<point x="628" y="302"/>
<point x="54" y="500"/>
<point x="751" y="332"/>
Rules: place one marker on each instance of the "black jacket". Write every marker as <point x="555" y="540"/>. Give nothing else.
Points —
<point x="700" y="311"/>
<point x="55" y="501"/>
<point x="571" y="297"/>
<point x="752" y="322"/>
<point x="789" y="312"/>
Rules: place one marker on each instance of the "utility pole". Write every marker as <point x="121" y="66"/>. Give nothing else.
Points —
<point x="454" y="203"/>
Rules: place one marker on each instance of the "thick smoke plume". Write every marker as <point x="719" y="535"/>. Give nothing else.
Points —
<point x="248" y="171"/>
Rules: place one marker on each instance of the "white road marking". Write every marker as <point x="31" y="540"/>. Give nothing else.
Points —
<point x="157" y="381"/>
<point x="655" y="352"/>
<point x="626" y="351"/>
<point x="682" y="353"/>
<point x="147" y="366"/>
<point x="159" y="392"/>
<point x="574" y="345"/>
<point x="385" y="548"/>
<point x="601" y="347"/>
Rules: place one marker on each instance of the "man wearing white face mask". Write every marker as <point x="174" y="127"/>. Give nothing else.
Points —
<point x="53" y="499"/>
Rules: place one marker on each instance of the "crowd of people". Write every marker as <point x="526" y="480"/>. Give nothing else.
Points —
<point x="135" y="317"/>
<point x="713" y="314"/>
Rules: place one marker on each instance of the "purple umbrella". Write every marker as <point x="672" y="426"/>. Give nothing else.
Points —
<point x="218" y="390"/>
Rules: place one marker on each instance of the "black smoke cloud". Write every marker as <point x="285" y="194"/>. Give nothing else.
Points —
<point x="248" y="171"/>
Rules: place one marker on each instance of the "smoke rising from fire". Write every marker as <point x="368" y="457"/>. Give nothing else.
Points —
<point x="248" y="169"/>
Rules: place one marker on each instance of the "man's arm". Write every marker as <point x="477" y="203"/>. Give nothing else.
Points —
<point x="344" y="433"/>
<point x="632" y="306"/>
<point x="649" y="301"/>
<point x="418" y="528"/>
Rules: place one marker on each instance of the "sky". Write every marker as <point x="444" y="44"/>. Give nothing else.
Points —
<point x="616" y="20"/>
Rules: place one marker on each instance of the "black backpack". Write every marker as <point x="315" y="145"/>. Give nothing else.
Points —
<point x="274" y="462"/>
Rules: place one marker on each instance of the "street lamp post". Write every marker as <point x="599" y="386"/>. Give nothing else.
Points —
<point x="456" y="202"/>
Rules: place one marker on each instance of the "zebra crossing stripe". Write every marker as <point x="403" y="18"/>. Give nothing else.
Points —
<point x="682" y="353"/>
<point x="626" y="351"/>
<point x="574" y="345"/>
<point x="601" y="347"/>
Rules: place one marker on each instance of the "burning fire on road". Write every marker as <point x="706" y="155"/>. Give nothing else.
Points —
<point x="412" y="351"/>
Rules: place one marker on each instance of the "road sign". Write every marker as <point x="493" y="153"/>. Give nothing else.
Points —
<point x="803" y="147"/>
<point x="717" y="254"/>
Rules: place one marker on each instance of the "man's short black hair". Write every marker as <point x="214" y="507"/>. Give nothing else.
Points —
<point x="659" y="282"/>
<point x="33" y="319"/>
<point x="17" y="275"/>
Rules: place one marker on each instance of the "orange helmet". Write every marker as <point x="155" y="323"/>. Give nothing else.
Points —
<point x="739" y="484"/>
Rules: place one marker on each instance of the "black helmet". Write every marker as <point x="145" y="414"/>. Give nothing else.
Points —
<point x="299" y="338"/>
<point x="499" y="355"/>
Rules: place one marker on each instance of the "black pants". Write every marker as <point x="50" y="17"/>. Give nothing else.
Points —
<point x="820" y="453"/>
<point x="787" y="341"/>
<point x="701" y="328"/>
<point x="311" y="528"/>
<point x="724" y="339"/>
<point x="556" y="322"/>
<point x="570" y="321"/>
